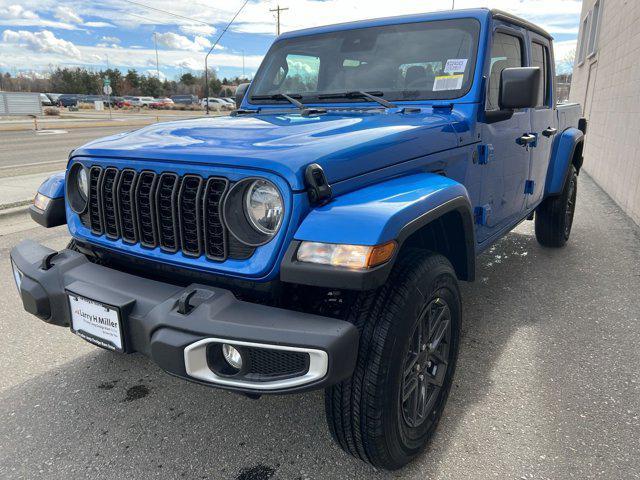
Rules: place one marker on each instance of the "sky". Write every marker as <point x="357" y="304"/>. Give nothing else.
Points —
<point x="38" y="35"/>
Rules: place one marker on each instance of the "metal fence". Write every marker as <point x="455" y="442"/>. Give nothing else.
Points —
<point x="20" y="103"/>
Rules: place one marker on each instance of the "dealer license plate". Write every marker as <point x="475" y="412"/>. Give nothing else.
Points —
<point x="96" y="322"/>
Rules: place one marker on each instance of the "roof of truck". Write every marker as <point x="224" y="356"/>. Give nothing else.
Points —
<point x="478" y="13"/>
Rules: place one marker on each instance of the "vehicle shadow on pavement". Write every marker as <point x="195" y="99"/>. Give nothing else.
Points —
<point x="523" y="401"/>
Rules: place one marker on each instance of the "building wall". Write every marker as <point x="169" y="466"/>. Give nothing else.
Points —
<point x="607" y="84"/>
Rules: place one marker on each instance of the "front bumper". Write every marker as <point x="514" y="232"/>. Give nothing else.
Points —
<point x="154" y="325"/>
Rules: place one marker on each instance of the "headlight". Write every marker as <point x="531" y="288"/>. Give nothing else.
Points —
<point x="254" y="211"/>
<point x="77" y="188"/>
<point x="264" y="206"/>
<point x="83" y="183"/>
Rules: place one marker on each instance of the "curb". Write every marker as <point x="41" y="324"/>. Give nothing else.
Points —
<point x="14" y="209"/>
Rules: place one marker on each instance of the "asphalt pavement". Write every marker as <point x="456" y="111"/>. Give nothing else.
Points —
<point x="29" y="147"/>
<point x="547" y="385"/>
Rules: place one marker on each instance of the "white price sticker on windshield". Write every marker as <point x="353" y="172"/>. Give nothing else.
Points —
<point x="455" y="65"/>
<point x="448" y="82"/>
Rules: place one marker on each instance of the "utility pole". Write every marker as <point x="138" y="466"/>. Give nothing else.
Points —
<point x="278" y="10"/>
<point x="155" y="41"/>
<point x="453" y="4"/>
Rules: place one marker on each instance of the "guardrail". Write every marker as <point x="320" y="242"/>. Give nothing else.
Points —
<point x="20" y="103"/>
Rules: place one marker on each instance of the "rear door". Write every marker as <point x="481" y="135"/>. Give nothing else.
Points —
<point x="504" y="175"/>
<point x="543" y="118"/>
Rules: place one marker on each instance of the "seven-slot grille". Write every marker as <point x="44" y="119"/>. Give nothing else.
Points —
<point x="159" y="210"/>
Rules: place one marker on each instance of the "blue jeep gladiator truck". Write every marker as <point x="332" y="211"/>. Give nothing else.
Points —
<point x="315" y="238"/>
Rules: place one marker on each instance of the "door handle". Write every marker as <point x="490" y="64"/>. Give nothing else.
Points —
<point x="526" y="139"/>
<point x="549" y="132"/>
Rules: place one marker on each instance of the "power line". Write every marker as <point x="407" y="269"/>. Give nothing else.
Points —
<point x="206" y="68"/>
<point x="165" y="12"/>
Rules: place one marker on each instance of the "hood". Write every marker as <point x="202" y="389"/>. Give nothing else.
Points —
<point x="345" y="144"/>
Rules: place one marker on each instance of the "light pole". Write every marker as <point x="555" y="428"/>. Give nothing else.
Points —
<point x="206" y="58"/>
<point x="155" y="41"/>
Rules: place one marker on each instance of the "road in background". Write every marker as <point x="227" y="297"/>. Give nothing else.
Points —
<point x="547" y="384"/>
<point x="28" y="147"/>
<point x="27" y="158"/>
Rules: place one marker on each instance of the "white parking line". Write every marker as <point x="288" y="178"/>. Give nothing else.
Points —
<point x="51" y="132"/>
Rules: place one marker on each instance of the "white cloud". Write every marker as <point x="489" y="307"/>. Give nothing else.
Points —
<point x="66" y="14"/>
<point x="109" y="39"/>
<point x="204" y="30"/>
<point x="98" y="24"/>
<point x="190" y="64"/>
<point x="155" y="73"/>
<point x="44" y="41"/>
<point x="16" y="12"/>
<point x="180" y="42"/>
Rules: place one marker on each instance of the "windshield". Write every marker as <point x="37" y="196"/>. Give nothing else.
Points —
<point x="417" y="61"/>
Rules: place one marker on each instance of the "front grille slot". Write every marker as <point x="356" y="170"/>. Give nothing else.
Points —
<point x="95" y="214"/>
<point x="126" y="206"/>
<point x="215" y="238"/>
<point x="145" y="209"/>
<point x="109" y="208"/>
<point x="173" y="212"/>
<point x="166" y="206"/>
<point x="190" y="210"/>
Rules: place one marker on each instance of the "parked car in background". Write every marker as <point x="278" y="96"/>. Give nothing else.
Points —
<point x="68" y="100"/>
<point x="185" y="99"/>
<point x="45" y="101"/>
<point x="122" y="102"/>
<point x="163" y="103"/>
<point x="53" y="97"/>
<point x="142" y="101"/>
<point x="216" y="104"/>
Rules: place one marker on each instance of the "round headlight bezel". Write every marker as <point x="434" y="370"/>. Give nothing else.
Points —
<point x="78" y="201"/>
<point x="247" y="206"/>
<point x="237" y="218"/>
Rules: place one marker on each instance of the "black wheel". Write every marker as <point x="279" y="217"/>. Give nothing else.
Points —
<point x="554" y="216"/>
<point x="410" y="329"/>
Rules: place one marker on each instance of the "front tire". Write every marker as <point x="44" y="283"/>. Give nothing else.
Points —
<point x="554" y="216"/>
<point x="388" y="410"/>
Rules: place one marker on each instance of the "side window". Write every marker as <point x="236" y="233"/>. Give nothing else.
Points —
<point x="506" y="52"/>
<point x="540" y="58"/>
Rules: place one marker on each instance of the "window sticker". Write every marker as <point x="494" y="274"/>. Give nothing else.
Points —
<point x="448" y="82"/>
<point x="455" y="65"/>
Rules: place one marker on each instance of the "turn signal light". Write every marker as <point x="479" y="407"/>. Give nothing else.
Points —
<point x="349" y="256"/>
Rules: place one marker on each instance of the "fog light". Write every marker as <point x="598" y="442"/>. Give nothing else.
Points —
<point x="232" y="356"/>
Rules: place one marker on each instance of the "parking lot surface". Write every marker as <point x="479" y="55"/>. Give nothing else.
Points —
<point x="547" y="385"/>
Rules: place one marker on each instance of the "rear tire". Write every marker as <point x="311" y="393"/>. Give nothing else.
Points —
<point x="388" y="410"/>
<point x="554" y="216"/>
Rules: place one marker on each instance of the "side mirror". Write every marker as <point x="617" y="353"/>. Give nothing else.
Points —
<point x="240" y="92"/>
<point x="519" y="88"/>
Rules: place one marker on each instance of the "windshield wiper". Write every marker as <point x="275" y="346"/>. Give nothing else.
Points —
<point x="281" y="96"/>
<point x="375" y="96"/>
<point x="291" y="99"/>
